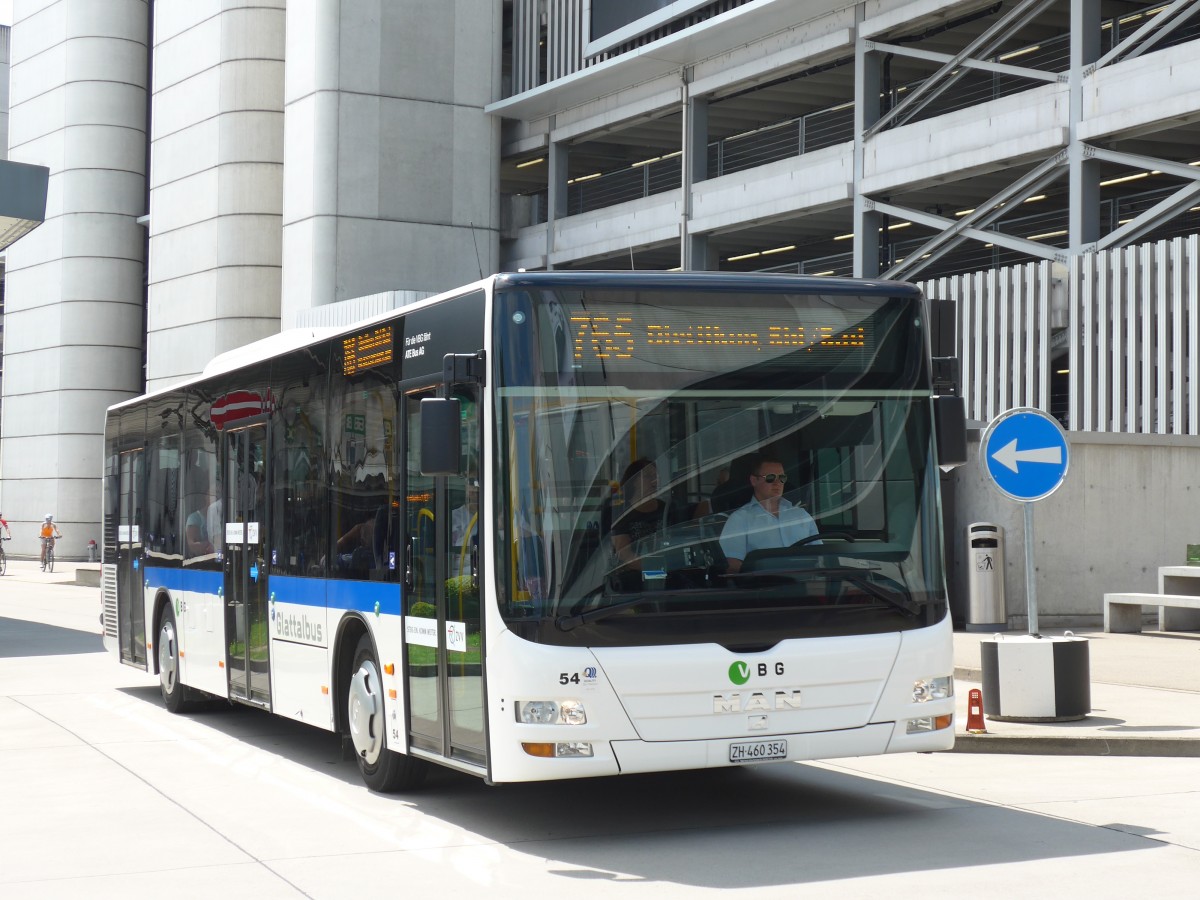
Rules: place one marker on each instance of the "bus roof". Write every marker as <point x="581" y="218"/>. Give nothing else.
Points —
<point x="710" y="281"/>
<point x="298" y="338"/>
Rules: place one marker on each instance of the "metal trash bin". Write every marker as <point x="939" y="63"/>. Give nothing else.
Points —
<point x="985" y="594"/>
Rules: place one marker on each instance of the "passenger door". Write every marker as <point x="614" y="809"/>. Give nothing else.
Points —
<point x="131" y="612"/>
<point x="244" y="496"/>
<point x="442" y="606"/>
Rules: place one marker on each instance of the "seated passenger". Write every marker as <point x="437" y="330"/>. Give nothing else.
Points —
<point x="641" y="514"/>
<point x="767" y="521"/>
<point x="358" y="549"/>
<point x="465" y="519"/>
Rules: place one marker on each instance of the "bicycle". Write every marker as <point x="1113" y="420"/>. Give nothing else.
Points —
<point x="3" y="555"/>
<point x="48" y="557"/>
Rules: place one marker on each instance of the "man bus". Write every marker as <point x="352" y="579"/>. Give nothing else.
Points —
<point x="534" y="651"/>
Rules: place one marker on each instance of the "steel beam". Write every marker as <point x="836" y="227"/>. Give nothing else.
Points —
<point x="1001" y="68"/>
<point x="1160" y="212"/>
<point x="1018" y="17"/>
<point x="1156" y="28"/>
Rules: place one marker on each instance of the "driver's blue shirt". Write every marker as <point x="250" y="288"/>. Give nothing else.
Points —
<point x="751" y="527"/>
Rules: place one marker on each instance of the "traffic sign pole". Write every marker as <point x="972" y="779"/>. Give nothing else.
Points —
<point x="1025" y="454"/>
<point x="1024" y="451"/>
<point x="1031" y="606"/>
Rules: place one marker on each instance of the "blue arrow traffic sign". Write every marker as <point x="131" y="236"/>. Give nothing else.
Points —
<point x="1025" y="453"/>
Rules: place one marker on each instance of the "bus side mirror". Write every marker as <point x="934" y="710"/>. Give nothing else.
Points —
<point x="441" y="450"/>
<point x="950" y="430"/>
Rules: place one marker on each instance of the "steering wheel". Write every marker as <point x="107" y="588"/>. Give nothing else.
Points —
<point x="816" y="537"/>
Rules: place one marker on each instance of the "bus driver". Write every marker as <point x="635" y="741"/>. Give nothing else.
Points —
<point x="767" y="521"/>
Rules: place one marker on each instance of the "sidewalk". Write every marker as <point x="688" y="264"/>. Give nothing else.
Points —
<point x="1145" y="700"/>
<point x="31" y="570"/>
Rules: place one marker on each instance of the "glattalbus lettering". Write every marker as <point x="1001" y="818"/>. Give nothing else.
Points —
<point x="298" y="628"/>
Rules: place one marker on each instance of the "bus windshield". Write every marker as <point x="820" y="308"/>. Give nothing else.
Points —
<point x="736" y="467"/>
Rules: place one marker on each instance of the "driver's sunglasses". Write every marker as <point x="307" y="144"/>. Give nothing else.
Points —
<point x="772" y="478"/>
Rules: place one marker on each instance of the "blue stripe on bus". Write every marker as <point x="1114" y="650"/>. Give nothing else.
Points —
<point x="360" y="596"/>
<point x="200" y="581"/>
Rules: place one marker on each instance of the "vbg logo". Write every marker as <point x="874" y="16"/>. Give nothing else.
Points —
<point x="739" y="672"/>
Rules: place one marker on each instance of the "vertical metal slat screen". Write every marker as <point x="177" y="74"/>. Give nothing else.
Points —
<point x="1135" y="339"/>
<point x="1004" y="336"/>
<point x="526" y="32"/>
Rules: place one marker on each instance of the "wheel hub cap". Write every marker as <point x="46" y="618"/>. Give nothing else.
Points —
<point x="168" y="663"/>
<point x="366" y="725"/>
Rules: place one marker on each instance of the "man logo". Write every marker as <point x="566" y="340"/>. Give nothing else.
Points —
<point x="756" y="702"/>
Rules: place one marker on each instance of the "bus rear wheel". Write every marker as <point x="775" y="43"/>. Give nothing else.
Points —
<point x="382" y="770"/>
<point x="176" y="697"/>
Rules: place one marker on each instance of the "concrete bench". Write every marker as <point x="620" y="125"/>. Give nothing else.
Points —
<point x="1123" y="612"/>
<point x="88" y="574"/>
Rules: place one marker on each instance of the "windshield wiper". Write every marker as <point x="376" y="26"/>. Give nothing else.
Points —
<point x="850" y="574"/>
<point x="567" y="623"/>
<point x="887" y="595"/>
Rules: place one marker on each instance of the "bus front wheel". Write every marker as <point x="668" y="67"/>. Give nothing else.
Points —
<point x="382" y="770"/>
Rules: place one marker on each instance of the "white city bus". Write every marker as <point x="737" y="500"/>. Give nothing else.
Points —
<point x="413" y="532"/>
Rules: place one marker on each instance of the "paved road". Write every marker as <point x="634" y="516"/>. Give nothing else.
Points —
<point x="106" y="795"/>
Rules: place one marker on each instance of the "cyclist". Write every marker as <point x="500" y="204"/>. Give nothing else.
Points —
<point x="49" y="534"/>
<point x="6" y="537"/>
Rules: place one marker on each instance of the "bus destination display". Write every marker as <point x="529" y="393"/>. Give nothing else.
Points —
<point x="367" y="350"/>
<point x="671" y="337"/>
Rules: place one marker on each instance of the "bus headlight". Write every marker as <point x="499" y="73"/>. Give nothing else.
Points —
<point x="551" y="712"/>
<point x="926" y="689"/>
<point x="928" y="723"/>
<point x="560" y="750"/>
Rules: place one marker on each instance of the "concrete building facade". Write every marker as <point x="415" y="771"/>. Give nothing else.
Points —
<point x="218" y="167"/>
<point x="1034" y="159"/>
<point x="73" y="310"/>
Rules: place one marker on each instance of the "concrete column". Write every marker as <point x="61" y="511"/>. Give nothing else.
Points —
<point x="1083" y="216"/>
<point x="74" y="297"/>
<point x="867" y="87"/>
<point x="391" y="168"/>
<point x="557" y="176"/>
<point x="216" y="183"/>
<point x="693" y="247"/>
<point x="4" y="64"/>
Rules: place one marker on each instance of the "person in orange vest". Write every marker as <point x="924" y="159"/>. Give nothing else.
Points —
<point x="49" y="534"/>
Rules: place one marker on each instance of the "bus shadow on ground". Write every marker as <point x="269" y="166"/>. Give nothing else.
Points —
<point x="757" y="826"/>
<point x="305" y="745"/>
<point x="20" y="638"/>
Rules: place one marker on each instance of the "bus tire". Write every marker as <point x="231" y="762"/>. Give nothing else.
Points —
<point x="382" y="770"/>
<point x="176" y="697"/>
